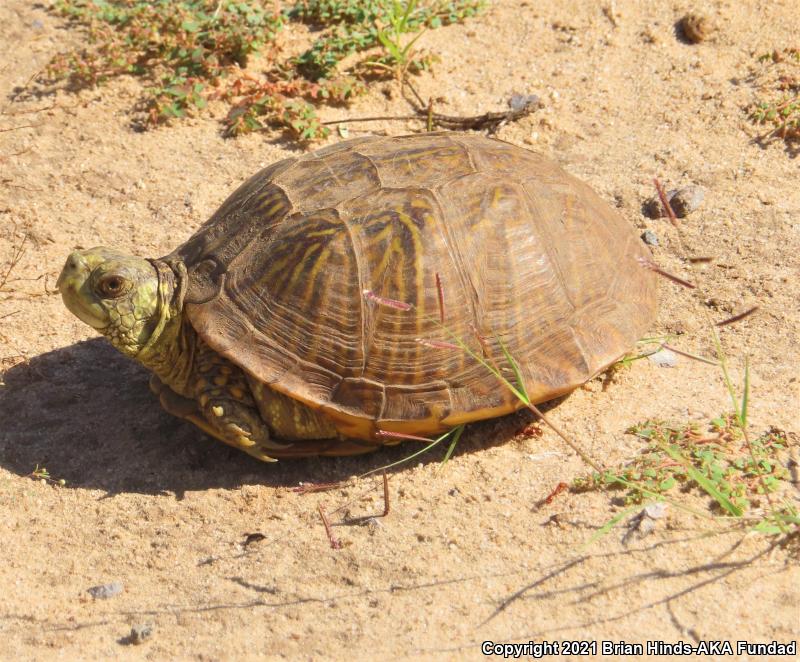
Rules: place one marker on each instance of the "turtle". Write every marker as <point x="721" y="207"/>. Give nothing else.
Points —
<point x="354" y="296"/>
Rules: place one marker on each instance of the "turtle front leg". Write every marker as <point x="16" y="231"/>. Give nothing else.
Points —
<point x="180" y="406"/>
<point x="222" y="405"/>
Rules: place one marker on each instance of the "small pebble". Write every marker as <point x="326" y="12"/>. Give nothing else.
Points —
<point x="695" y="28"/>
<point x="520" y="101"/>
<point x="645" y="526"/>
<point x="105" y="591"/>
<point x="664" y="358"/>
<point x="656" y="510"/>
<point x="140" y="633"/>
<point x="650" y="238"/>
<point x="683" y="202"/>
<point x="686" y="200"/>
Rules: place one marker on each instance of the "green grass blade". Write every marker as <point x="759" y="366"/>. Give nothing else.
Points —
<point x="412" y="4"/>
<point x="424" y="449"/>
<point x="456" y="436"/>
<point x="610" y="524"/>
<point x="517" y="372"/>
<point x="707" y="486"/>
<point x="745" y="394"/>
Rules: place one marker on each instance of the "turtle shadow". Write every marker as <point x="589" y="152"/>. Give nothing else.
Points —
<point x="86" y="414"/>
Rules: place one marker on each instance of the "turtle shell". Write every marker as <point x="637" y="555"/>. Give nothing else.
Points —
<point x="325" y="278"/>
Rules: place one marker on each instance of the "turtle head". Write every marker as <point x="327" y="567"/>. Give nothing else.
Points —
<point x="117" y="294"/>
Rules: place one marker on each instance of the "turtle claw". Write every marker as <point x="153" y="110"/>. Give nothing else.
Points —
<point x="238" y="425"/>
<point x="259" y="455"/>
<point x="245" y="441"/>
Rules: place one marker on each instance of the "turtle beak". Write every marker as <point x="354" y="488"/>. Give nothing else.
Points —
<point x="77" y="298"/>
<point x="75" y="268"/>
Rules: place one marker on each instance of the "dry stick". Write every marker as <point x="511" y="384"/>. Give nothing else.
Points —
<point x="649" y="264"/>
<point x="594" y="465"/>
<point x="386" y="506"/>
<point x="738" y="317"/>
<point x="702" y="359"/>
<point x="380" y="118"/>
<point x="29" y="111"/>
<point x="309" y="488"/>
<point x="424" y="112"/>
<point x="477" y="122"/>
<point x="400" y="435"/>
<point x="385" y="494"/>
<point x="22" y="89"/>
<point x="710" y="323"/>
<point x="384" y="301"/>
<point x="665" y="203"/>
<point x="440" y="292"/>
<point x="15" y="258"/>
<point x="335" y="543"/>
<point x="21" y="126"/>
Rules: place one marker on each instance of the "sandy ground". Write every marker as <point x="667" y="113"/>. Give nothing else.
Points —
<point x="152" y="503"/>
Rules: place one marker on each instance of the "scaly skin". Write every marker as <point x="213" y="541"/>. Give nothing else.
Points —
<point x="137" y="305"/>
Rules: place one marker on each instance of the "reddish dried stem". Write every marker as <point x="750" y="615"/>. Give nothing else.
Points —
<point x="440" y="292"/>
<point x="386" y="505"/>
<point x="702" y="359"/>
<point x="648" y="264"/>
<point x="401" y="435"/>
<point x="335" y="543"/>
<point x="437" y="344"/>
<point x="384" y="301"/>
<point x="309" y="488"/>
<point x="665" y="203"/>
<point x="737" y="318"/>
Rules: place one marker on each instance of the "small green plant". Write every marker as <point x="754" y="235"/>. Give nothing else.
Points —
<point x="185" y="48"/>
<point x="194" y="52"/>
<point x="391" y="36"/>
<point x="644" y="347"/>
<point x="779" y="79"/>
<point x="358" y="26"/>
<point x="685" y="458"/>
<point x="41" y="473"/>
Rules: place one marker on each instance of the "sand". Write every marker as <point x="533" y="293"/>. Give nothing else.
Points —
<point x="467" y="553"/>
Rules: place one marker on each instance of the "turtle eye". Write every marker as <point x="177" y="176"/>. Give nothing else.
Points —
<point x="112" y="286"/>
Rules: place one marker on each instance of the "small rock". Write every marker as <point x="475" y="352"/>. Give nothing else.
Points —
<point x="520" y="101"/>
<point x="695" y="28"/>
<point x="650" y="238"/>
<point x="645" y="526"/>
<point x="686" y="200"/>
<point x="656" y="510"/>
<point x="683" y="202"/>
<point x="253" y="537"/>
<point x="140" y="633"/>
<point x="105" y="591"/>
<point x="664" y="358"/>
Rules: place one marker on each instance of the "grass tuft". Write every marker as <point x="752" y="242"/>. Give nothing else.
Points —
<point x="779" y="82"/>
<point x="191" y="53"/>
<point x="716" y="461"/>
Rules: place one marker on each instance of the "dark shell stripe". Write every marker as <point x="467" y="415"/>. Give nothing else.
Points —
<point x="526" y="254"/>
